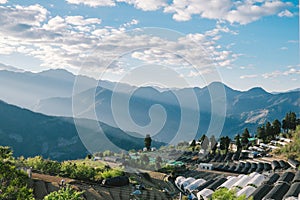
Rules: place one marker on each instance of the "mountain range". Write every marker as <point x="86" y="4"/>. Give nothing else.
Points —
<point x="170" y="115"/>
<point x="31" y="134"/>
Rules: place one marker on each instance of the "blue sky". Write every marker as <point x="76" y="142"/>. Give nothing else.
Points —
<point x="245" y="43"/>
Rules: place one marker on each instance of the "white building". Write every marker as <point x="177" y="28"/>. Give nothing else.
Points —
<point x="206" y="166"/>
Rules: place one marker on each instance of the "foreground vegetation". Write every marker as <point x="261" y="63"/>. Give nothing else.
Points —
<point x="66" y="193"/>
<point x="225" y="194"/>
<point x="13" y="182"/>
<point x="70" y="169"/>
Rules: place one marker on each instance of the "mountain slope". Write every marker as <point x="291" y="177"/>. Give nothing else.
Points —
<point x="31" y="134"/>
<point x="50" y="93"/>
<point x="243" y="109"/>
<point x="26" y="89"/>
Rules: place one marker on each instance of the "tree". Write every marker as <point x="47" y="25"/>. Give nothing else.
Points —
<point x="147" y="142"/>
<point x="213" y="144"/>
<point x="276" y="127"/>
<point x="202" y="138"/>
<point x="269" y="131"/>
<point x="225" y="143"/>
<point x="64" y="194"/>
<point x="204" y="143"/>
<point x="238" y="142"/>
<point x="261" y="133"/>
<point x="193" y="144"/>
<point x="245" y="137"/>
<point x="289" y="122"/>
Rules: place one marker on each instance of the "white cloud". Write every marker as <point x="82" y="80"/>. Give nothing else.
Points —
<point x="184" y="9"/>
<point x="22" y="17"/>
<point x="55" y="24"/>
<point x="248" y="76"/>
<point x="293" y="41"/>
<point x="3" y="1"/>
<point x="277" y="73"/>
<point x="93" y="3"/>
<point x="285" y="13"/>
<point x="242" y="12"/>
<point x="131" y="23"/>
<point x="146" y="5"/>
<point x="250" y="11"/>
<point x="68" y="41"/>
<point x="80" y="21"/>
<point x="283" y="48"/>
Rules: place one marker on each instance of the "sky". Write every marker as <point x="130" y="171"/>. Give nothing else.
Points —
<point x="167" y="43"/>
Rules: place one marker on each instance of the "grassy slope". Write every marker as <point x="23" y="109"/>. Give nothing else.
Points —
<point x="292" y="149"/>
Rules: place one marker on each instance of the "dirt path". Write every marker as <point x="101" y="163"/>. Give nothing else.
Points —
<point x="50" y="179"/>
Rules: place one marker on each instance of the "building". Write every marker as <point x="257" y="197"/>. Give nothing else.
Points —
<point x="206" y="166"/>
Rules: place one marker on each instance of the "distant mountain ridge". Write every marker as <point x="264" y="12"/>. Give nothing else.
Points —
<point x="31" y="134"/>
<point x="243" y="108"/>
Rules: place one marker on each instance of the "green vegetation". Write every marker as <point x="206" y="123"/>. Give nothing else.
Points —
<point x="291" y="150"/>
<point x="225" y="194"/>
<point x="213" y="144"/>
<point x="224" y="143"/>
<point x="244" y="138"/>
<point x="290" y="122"/>
<point x="14" y="182"/>
<point x="238" y="142"/>
<point x="142" y="162"/>
<point x="268" y="131"/>
<point x="204" y="141"/>
<point x="77" y="170"/>
<point x="193" y="145"/>
<point x="66" y="193"/>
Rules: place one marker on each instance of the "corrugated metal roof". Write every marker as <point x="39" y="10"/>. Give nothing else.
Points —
<point x="261" y="191"/>
<point x="293" y="191"/>
<point x="277" y="192"/>
<point x="248" y="190"/>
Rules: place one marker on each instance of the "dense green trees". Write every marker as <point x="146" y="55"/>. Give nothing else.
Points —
<point x="13" y="182"/>
<point x="289" y="122"/>
<point x="268" y="131"/>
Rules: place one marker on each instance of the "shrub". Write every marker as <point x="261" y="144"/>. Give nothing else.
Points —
<point x="66" y="193"/>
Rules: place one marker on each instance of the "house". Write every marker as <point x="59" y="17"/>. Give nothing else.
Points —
<point x="206" y="166"/>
